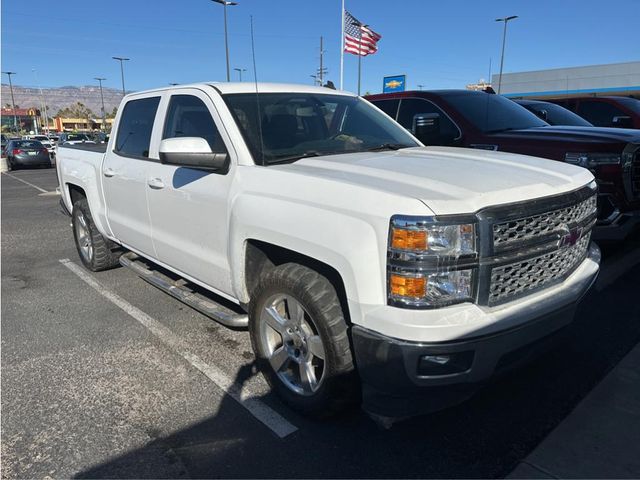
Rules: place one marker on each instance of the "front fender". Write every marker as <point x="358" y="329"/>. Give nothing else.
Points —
<point x="349" y="244"/>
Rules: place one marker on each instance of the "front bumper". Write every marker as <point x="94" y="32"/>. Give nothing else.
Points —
<point x="397" y="382"/>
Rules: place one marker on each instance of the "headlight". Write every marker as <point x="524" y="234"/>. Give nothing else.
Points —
<point x="431" y="263"/>
<point x="591" y="160"/>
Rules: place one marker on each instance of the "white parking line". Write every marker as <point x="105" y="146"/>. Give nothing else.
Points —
<point x="25" y="182"/>
<point x="241" y="394"/>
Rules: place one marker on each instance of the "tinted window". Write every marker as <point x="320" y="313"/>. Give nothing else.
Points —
<point x="630" y="103"/>
<point x="556" y="115"/>
<point x="599" y="113"/>
<point x="410" y="107"/>
<point x="27" y="144"/>
<point x="136" y="124"/>
<point x="188" y="116"/>
<point x="492" y="113"/>
<point x="390" y="107"/>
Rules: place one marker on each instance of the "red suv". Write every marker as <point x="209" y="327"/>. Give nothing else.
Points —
<point x="619" y="112"/>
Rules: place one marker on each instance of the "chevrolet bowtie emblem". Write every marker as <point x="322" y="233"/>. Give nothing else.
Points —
<point x="569" y="237"/>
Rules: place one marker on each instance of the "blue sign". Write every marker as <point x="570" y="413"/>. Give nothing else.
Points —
<point x="396" y="83"/>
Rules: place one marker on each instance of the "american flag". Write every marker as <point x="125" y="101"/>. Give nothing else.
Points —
<point x="359" y="39"/>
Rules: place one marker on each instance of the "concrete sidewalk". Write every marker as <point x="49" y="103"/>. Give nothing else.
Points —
<point x="600" y="438"/>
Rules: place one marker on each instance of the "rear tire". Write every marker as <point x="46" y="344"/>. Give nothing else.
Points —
<point x="95" y="251"/>
<point x="299" y="335"/>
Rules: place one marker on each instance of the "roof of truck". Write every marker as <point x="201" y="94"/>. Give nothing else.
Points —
<point x="250" y="87"/>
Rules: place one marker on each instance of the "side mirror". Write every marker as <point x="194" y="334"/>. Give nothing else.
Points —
<point x="541" y="114"/>
<point x="622" y="121"/>
<point x="193" y="152"/>
<point x="426" y="127"/>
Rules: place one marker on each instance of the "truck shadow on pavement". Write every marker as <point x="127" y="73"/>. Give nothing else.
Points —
<point x="484" y="437"/>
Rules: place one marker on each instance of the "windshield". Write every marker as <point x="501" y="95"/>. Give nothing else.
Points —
<point x="298" y="125"/>
<point x="491" y="113"/>
<point x="557" y="115"/>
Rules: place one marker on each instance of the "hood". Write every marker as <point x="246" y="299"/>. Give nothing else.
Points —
<point x="577" y="134"/>
<point x="448" y="180"/>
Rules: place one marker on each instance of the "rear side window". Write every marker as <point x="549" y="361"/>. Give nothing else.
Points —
<point x="599" y="113"/>
<point x="136" y="124"/>
<point x="188" y="116"/>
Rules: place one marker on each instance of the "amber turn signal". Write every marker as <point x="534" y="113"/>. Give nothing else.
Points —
<point x="408" y="286"/>
<point x="402" y="239"/>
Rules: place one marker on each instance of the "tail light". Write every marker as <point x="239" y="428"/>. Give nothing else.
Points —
<point x="44" y="150"/>
<point x="17" y="151"/>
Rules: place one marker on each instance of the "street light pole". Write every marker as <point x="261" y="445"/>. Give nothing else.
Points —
<point x="240" y="70"/>
<point x="226" y="3"/>
<point x="100" y="79"/>
<point x="42" y="101"/>
<point x="121" y="60"/>
<point x="13" y="102"/>
<point x="504" y="39"/>
<point x="420" y="87"/>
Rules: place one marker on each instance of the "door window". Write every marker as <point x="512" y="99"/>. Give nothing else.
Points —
<point x="599" y="113"/>
<point x="410" y="107"/>
<point x="188" y="116"/>
<point x="136" y="125"/>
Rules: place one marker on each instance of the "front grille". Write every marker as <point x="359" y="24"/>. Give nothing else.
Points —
<point x="509" y="233"/>
<point x="523" y="278"/>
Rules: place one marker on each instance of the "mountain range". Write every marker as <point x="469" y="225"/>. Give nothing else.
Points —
<point x="62" y="97"/>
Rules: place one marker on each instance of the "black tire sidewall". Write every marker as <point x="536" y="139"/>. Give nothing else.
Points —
<point x="336" y="389"/>
<point x="81" y="207"/>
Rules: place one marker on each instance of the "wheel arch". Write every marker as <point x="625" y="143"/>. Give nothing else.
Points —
<point x="261" y="256"/>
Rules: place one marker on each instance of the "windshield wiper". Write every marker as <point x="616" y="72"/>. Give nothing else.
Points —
<point x="293" y="158"/>
<point x="387" y="146"/>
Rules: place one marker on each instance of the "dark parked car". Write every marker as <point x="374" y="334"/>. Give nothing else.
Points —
<point x="554" y="114"/>
<point x="617" y="112"/>
<point x="481" y="120"/>
<point x="27" y="153"/>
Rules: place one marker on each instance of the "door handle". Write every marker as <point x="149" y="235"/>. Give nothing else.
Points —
<point x="109" y="172"/>
<point x="155" y="183"/>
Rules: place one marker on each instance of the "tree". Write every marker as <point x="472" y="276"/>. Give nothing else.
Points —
<point x="77" y="110"/>
<point x="113" y="113"/>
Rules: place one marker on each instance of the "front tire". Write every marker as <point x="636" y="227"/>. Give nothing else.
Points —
<point x="94" y="250"/>
<point x="299" y="335"/>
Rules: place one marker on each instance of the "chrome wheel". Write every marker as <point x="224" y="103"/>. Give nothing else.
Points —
<point x="292" y="344"/>
<point x="84" y="237"/>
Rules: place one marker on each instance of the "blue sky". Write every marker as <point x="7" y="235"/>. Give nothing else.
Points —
<point x="439" y="44"/>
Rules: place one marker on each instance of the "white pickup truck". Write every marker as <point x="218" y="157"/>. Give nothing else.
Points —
<point x="367" y="267"/>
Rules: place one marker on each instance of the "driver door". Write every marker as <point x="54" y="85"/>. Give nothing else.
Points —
<point x="188" y="206"/>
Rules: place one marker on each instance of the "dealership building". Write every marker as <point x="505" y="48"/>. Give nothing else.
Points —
<point x="594" y="80"/>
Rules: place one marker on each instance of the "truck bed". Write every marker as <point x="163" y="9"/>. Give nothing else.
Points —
<point x="98" y="148"/>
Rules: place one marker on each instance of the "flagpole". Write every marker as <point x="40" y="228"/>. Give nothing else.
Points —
<point x="359" y="60"/>
<point x="342" y="49"/>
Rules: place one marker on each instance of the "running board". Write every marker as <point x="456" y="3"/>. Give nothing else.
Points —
<point x="180" y="289"/>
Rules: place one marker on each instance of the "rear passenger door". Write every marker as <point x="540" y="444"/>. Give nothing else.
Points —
<point x="188" y="206"/>
<point x="124" y="174"/>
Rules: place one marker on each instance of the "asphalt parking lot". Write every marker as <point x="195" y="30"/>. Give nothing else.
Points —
<point x="91" y="390"/>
